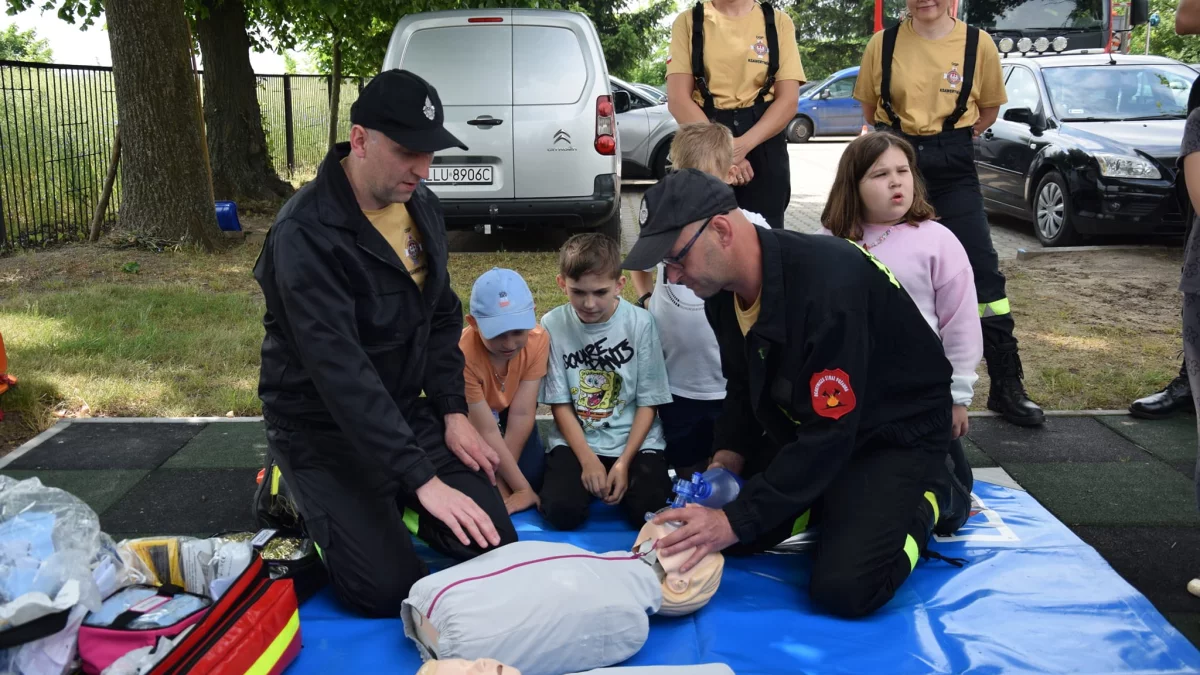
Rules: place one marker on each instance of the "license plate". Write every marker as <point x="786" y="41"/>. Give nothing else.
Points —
<point x="460" y="175"/>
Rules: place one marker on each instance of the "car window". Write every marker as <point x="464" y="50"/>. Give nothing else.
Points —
<point x="843" y="88"/>
<point x="548" y="66"/>
<point x="1133" y="91"/>
<point x="637" y="100"/>
<point x="481" y="75"/>
<point x="1022" y="91"/>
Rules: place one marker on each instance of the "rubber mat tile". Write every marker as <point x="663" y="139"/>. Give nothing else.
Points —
<point x="177" y="501"/>
<point x="1060" y="439"/>
<point x="1169" y="439"/>
<point x="223" y="445"/>
<point x="98" y="489"/>
<point x="1158" y="561"/>
<point x="1113" y="493"/>
<point x="109" y="446"/>
<point x="976" y="457"/>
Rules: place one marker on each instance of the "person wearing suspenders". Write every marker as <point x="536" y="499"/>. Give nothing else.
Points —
<point x="938" y="83"/>
<point x="736" y="62"/>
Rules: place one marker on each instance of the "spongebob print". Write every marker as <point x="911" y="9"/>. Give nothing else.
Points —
<point x="597" y="397"/>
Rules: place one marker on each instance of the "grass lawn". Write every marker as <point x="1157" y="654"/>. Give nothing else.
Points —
<point x="180" y="336"/>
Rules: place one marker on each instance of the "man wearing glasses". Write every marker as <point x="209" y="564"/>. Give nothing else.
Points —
<point x="837" y="405"/>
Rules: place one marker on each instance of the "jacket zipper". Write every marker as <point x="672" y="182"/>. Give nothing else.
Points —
<point x="429" y="614"/>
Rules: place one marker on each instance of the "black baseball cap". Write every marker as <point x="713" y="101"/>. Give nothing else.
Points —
<point x="678" y="200"/>
<point x="406" y="109"/>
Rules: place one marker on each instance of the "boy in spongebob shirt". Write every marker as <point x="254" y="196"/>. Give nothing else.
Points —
<point x="605" y="379"/>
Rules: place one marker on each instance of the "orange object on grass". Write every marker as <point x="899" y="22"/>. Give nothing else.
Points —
<point x="6" y="380"/>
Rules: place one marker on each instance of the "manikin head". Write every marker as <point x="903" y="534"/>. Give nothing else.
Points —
<point x="464" y="667"/>
<point x="684" y="592"/>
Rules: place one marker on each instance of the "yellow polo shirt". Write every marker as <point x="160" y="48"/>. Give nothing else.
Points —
<point x="927" y="78"/>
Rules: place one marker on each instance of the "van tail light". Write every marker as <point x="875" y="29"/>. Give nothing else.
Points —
<point x="606" y="126"/>
<point x="486" y="19"/>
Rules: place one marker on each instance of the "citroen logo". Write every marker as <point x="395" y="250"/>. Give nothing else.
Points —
<point x="562" y="136"/>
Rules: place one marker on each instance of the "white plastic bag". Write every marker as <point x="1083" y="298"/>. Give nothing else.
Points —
<point x="543" y="608"/>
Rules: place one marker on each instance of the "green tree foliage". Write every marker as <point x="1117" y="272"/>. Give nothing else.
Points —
<point x="18" y="45"/>
<point x="832" y="34"/>
<point x="1163" y="40"/>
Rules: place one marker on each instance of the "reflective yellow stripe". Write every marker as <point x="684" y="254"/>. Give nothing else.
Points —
<point x="996" y="308"/>
<point x="410" y="520"/>
<point x="933" y="502"/>
<point x="319" y="551"/>
<point x="274" y="480"/>
<point x="801" y="523"/>
<point x="910" y="547"/>
<point x="279" y="645"/>
<point x="879" y="263"/>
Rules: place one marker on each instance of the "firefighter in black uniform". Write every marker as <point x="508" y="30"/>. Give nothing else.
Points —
<point x="736" y="62"/>
<point x="360" y="321"/>
<point x="838" y="395"/>
<point x="939" y="83"/>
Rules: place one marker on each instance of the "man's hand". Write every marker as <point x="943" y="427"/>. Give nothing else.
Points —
<point x="618" y="482"/>
<point x="520" y="500"/>
<point x="459" y="512"/>
<point x="706" y="529"/>
<point x="959" y="424"/>
<point x="741" y="147"/>
<point x="594" y="478"/>
<point x="740" y="173"/>
<point x="728" y="459"/>
<point x="466" y="443"/>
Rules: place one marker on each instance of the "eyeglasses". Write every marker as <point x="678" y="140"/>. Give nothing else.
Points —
<point x="677" y="260"/>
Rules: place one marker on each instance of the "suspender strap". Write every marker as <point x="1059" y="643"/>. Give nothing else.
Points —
<point x="964" y="95"/>
<point x="885" y="85"/>
<point x="698" y="60"/>
<point x="772" y="51"/>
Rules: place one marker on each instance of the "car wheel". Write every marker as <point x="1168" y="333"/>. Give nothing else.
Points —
<point x="799" y="130"/>
<point x="1052" y="212"/>
<point x="662" y="160"/>
<point x="611" y="227"/>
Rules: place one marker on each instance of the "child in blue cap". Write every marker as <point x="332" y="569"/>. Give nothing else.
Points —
<point x="506" y="354"/>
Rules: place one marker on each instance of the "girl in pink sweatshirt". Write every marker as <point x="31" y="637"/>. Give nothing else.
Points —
<point x="878" y="203"/>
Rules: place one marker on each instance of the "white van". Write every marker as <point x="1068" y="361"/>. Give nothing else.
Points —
<point x="528" y="92"/>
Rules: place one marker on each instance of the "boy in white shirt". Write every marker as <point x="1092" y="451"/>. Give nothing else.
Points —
<point x="689" y="344"/>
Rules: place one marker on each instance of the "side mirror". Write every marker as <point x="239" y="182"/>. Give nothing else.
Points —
<point x="621" y="101"/>
<point x="1027" y="117"/>
<point x="1139" y="12"/>
<point x="826" y="95"/>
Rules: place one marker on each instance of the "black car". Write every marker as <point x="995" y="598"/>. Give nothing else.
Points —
<point x="1087" y="144"/>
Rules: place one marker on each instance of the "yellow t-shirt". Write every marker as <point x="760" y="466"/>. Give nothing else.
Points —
<point x="398" y="228"/>
<point x="926" y="76"/>
<point x="735" y="54"/>
<point x="749" y="316"/>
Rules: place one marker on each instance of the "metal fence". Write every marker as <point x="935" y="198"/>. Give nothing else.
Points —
<point x="56" y="132"/>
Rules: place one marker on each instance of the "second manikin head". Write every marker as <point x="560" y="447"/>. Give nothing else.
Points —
<point x="683" y="592"/>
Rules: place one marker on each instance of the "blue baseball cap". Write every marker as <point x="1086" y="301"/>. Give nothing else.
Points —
<point x="500" y="302"/>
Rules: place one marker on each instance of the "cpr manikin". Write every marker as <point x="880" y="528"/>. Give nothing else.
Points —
<point x="464" y="667"/>
<point x="683" y="592"/>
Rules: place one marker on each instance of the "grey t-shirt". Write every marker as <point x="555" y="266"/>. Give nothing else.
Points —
<point x="1189" y="281"/>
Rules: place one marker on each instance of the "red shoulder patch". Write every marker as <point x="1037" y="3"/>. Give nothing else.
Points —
<point x="831" y="393"/>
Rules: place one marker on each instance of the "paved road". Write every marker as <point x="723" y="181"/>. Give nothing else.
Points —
<point x="814" y="165"/>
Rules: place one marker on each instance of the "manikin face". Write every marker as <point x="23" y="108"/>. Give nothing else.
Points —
<point x="684" y="592"/>
<point x="464" y="667"/>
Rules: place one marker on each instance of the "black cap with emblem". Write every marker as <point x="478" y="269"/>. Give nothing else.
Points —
<point x="682" y="198"/>
<point x="406" y="109"/>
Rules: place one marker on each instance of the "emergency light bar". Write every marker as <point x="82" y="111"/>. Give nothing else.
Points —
<point x="1025" y="45"/>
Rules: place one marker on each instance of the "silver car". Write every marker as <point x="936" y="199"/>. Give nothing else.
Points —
<point x="645" y="128"/>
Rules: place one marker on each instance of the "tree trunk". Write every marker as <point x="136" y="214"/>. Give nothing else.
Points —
<point x="237" y="145"/>
<point x="165" y="186"/>
<point x="335" y="90"/>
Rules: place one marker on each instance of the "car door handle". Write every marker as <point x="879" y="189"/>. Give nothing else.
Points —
<point x="485" y="121"/>
<point x="989" y="135"/>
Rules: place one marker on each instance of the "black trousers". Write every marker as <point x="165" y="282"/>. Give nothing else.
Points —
<point x="770" y="191"/>
<point x="687" y="425"/>
<point x="876" y="517"/>
<point x="946" y="164"/>
<point x="364" y="537"/>
<point x="565" y="501"/>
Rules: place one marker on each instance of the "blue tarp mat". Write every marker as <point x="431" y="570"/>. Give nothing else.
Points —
<point x="1033" y="598"/>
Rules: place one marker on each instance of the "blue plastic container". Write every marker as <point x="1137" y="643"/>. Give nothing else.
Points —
<point x="227" y="217"/>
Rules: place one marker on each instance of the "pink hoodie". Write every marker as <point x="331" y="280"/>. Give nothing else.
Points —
<point x="933" y="267"/>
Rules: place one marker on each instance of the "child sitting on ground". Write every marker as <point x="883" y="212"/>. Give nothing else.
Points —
<point x="880" y="205"/>
<point x="505" y="354"/>
<point x="689" y="344"/>
<point x="605" y="378"/>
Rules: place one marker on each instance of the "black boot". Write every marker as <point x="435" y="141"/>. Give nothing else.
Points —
<point x="1007" y="395"/>
<point x="1174" y="398"/>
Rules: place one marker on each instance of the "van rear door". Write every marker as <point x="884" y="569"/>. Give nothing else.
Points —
<point x="467" y="56"/>
<point x="557" y="65"/>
